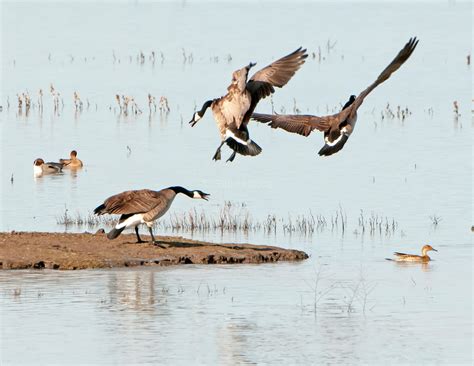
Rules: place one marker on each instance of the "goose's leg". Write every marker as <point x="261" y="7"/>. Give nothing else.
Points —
<point x="139" y="240"/>
<point x="153" y="238"/>
<point x="232" y="157"/>
<point x="217" y="155"/>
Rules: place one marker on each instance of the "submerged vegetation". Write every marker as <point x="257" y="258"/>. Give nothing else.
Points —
<point x="236" y="218"/>
<point x="345" y="296"/>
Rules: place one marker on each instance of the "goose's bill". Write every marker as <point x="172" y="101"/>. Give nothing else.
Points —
<point x="205" y="196"/>
<point x="193" y="122"/>
<point x="434" y="249"/>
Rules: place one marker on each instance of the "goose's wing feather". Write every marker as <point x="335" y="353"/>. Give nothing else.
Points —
<point x="130" y="202"/>
<point x="302" y="124"/>
<point x="398" y="61"/>
<point x="278" y="73"/>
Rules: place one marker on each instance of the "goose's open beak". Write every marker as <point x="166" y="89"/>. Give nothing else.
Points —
<point x="205" y="196"/>
<point x="195" y="119"/>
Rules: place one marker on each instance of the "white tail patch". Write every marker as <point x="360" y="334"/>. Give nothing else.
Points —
<point x="132" y="221"/>
<point x="229" y="133"/>
<point x="343" y="132"/>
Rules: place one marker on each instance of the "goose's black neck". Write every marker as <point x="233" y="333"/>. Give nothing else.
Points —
<point x="179" y="189"/>
<point x="204" y="108"/>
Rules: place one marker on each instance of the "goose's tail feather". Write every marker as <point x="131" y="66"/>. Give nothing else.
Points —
<point x="327" y="149"/>
<point x="249" y="149"/>
<point x="114" y="233"/>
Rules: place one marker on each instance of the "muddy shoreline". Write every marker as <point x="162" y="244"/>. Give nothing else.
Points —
<point x="70" y="251"/>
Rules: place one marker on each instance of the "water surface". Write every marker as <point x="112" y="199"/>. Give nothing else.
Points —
<point x="408" y="171"/>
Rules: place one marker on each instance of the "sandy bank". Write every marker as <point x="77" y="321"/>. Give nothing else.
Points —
<point x="22" y="250"/>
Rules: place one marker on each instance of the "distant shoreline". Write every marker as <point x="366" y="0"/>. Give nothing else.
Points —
<point x="71" y="251"/>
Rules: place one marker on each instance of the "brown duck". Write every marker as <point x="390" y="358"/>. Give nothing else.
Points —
<point x="73" y="161"/>
<point x="403" y="257"/>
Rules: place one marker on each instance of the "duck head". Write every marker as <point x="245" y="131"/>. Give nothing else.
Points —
<point x="426" y="248"/>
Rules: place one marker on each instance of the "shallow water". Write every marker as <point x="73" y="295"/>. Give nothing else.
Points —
<point x="405" y="170"/>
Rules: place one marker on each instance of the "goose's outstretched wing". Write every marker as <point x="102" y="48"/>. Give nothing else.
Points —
<point x="277" y="74"/>
<point x="398" y="61"/>
<point x="302" y="124"/>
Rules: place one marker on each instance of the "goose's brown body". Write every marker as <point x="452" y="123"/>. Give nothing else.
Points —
<point x="232" y="111"/>
<point x="142" y="206"/>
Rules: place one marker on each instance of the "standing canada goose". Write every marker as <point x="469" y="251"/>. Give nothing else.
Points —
<point x="337" y="127"/>
<point x="402" y="257"/>
<point x="73" y="161"/>
<point x="142" y="206"/>
<point x="232" y="111"/>
<point x="40" y="167"/>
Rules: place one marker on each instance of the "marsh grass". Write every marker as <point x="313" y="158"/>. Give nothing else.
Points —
<point x="236" y="218"/>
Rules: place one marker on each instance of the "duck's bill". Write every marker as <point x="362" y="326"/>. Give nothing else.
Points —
<point x="434" y="249"/>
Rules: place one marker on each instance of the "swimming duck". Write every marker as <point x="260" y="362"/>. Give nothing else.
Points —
<point x="40" y="167"/>
<point x="402" y="257"/>
<point x="73" y="161"/>
<point x="232" y="111"/>
<point x="337" y="127"/>
<point x="142" y="207"/>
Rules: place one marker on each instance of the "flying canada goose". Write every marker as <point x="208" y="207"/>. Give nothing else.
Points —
<point x="337" y="127"/>
<point x="142" y="206"/>
<point x="40" y="167"/>
<point x="232" y="111"/>
<point x="73" y="161"/>
<point x="402" y="257"/>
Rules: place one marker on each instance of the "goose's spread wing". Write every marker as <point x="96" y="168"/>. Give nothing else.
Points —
<point x="281" y="71"/>
<point x="300" y="124"/>
<point x="398" y="61"/>
<point x="278" y="73"/>
<point x="130" y="202"/>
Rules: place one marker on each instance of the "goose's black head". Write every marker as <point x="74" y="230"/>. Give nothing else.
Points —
<point x="250" y="65"/>
<point x="200" y="194"/>
<point x="191" y="194"/>
<point x="349" y="102"/>
<point x="199" y="114"/>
